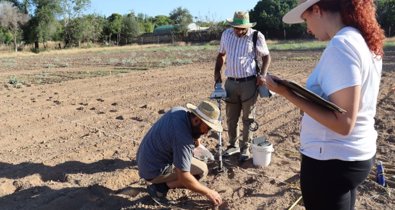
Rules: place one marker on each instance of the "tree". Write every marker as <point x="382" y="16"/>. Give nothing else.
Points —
<point x="84" y="29"/>
<point x="12" y="19"/>
<point x="43" y="23"/>
<point x="161" y="20"/>
<point x="71" y="10"/>
<point x="181" y="17"/>
<point x="130" y="27"/>
<point x="23" y="5"/>
<point x="5" y="36"/>
<point x="145" y="23"/>
<point x="386" y="15"/>
<point x="268" y="13"/>
<point x="96" y="26"/>
<point x="114" y="26"/>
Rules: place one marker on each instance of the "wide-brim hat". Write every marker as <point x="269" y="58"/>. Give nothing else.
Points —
<point x="295" y="14"/>
<point x="208" y="113"/>
<point x="240" y="20"/>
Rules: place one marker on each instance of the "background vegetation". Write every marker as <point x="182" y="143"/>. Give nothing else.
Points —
<point x="38" y="22"/>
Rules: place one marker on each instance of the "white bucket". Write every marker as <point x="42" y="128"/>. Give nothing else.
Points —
<point x="261" y="152"/>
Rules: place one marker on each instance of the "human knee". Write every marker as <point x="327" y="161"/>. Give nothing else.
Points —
<point x="204" y="172"/>
<point x="201" y="172"/>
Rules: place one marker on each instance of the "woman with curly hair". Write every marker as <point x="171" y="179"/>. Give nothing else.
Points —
<point x="338" y="149"/>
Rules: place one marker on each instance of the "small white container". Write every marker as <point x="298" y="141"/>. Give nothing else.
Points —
<point x="261" y="152"/>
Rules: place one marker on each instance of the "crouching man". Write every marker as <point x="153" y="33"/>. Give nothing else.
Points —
<point x="165" y="156"/>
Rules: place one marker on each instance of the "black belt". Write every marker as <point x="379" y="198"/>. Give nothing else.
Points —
<point x="244" y="79"/>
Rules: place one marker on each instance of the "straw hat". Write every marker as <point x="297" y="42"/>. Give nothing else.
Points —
<point x="209" y="113"/>
<point x="294" y="15"/>
<point x="240" y="20"/>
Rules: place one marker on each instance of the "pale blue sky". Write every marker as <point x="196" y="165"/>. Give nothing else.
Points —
<point x="211" y="10"/>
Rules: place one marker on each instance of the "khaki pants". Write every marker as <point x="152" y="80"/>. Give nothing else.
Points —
<point x="242" y="96"/>
<point x="198" y="169"/>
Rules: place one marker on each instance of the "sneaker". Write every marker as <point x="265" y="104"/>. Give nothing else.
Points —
<point x="157" y="197"/>
<point x="245" y="154"/>
<point x="231" y="150"/>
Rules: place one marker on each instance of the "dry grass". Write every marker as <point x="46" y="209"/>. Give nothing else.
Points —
<point x="390" y="39"/>
<point x="7" y="51"/>
<point x="6" y="54"/>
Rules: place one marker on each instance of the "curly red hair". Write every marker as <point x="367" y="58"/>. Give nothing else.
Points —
<point x="360" y="14"/>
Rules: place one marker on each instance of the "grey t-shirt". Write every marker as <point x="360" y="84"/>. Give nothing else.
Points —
<point x="169" y="141"/>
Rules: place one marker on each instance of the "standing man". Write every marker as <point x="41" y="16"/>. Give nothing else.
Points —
<point x="237" y="49"/>
<point x="164" y="157"/>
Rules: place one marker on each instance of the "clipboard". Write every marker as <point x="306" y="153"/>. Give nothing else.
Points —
<point x="310" y="96"/>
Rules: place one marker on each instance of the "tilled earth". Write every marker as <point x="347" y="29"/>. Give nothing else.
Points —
<point x="70" y="126"/>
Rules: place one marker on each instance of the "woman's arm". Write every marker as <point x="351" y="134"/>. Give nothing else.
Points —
<point x="347" y="98"/>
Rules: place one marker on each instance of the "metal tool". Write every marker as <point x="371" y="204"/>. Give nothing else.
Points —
<point x="219" y="94"/>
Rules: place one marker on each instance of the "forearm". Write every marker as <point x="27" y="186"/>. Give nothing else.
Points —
<point x="218" y="66"/>
<point x="335" y="121"/>
<point x="191" y="183"/>
<point x="186" y="180"/>
<point x="347" y="98"/>
<point x="265" y="64"/>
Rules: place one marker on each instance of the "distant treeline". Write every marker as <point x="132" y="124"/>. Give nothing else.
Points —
<point x="37" y="22"/>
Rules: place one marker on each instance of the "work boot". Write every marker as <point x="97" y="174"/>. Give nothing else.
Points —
<point x="158" y="193"/>
<point x="231" y="150"/>
<point x="245" y="154"/>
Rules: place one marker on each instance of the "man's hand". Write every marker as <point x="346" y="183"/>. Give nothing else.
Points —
<point x="260" y="80"/>
<point x="186" y="180"/>
<point x="214" y="197"/>
<point x="196" y="142"/>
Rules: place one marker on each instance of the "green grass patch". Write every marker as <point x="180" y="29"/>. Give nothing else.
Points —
<point x="389" y="44"/>
<point x="308" y="45"/>
<point x="296" y="45"/>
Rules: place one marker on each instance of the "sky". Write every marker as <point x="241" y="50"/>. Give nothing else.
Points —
<point x="205" y="10"/>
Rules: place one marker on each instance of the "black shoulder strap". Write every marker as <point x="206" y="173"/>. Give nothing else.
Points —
<point x="255" y="38"/>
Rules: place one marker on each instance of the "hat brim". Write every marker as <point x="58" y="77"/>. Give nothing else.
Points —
<point x="215" y="126"/>
<point x="295" y="14"/>
<point x="248" y="25"/>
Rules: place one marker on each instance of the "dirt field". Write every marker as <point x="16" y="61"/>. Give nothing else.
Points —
<point x="71" y="122"/>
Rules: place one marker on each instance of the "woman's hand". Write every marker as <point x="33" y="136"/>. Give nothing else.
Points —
<point x="269" y="81"/>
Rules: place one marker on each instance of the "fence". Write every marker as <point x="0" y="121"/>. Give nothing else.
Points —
<point x="193" y="36"/>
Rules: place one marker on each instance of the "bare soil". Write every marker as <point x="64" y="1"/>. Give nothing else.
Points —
<point x="70" y="125"/>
